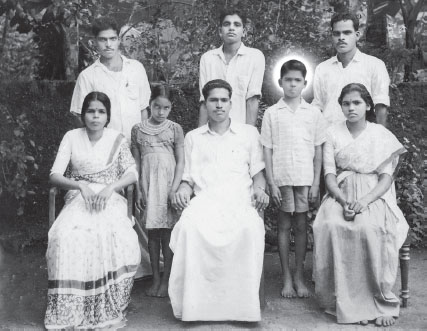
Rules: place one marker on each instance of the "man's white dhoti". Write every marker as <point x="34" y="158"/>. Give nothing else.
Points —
<point x="218" y="247"/>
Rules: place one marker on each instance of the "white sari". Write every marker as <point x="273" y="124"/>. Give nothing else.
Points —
<point x="356" y="262"/>
<point x="92" y="257"/>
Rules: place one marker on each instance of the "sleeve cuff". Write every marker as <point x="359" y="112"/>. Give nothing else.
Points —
<point x="257" y="168"/>
<point x="251" y="94"/>
<point x="187" y="178"/>
<point x="327" y="172"/>
<point x="382" y="99"/>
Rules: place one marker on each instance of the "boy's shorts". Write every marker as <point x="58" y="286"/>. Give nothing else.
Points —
<point x="294" y="199"/>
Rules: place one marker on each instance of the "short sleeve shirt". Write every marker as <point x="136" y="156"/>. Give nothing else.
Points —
<point x="128" y="90"/>
<point x="231" y="159"/>
<point x="244" y="72"/>
<point x="330" y="77"/>
<point x="293" y="135"/>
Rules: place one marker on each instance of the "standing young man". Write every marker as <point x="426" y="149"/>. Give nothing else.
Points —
<point x="123" y="80"/>
<point x="242" y="67"/>
<point x="350" y="65"/>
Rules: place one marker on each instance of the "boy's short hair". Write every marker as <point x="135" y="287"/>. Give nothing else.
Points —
<point x="216" y="83"/>
<point x="229" y="12"/>
<point x="293" y="65"/>
<point x="104" y="23"/>
<point x="345" y="16"/>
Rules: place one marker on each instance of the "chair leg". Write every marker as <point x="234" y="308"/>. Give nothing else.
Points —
<point x="262" y="291"/>
<point x="404" y="273"/>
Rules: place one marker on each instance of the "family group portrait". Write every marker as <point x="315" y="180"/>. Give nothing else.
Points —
<point x="213" y="164"/>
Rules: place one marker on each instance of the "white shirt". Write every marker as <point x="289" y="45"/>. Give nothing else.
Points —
<point x="330" y="77"/>
<point x="128" y="90"/>
<point x="228" y="160"/>
<point x="293" y="135"/>
<point x="244" y="72"/>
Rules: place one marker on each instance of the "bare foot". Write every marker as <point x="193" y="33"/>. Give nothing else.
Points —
<point x="288" y="290"/>
<point x="154" y="288"/>
<point x="302" y="290"/>
<point x="364" y="322"/>
<point x="384" y="321"/>
<point x="162" y="292"/>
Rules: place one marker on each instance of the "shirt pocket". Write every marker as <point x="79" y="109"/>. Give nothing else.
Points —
<point x="236" y="159"/>
<point x="132" y="90"/>
<point x="242" y="83"/>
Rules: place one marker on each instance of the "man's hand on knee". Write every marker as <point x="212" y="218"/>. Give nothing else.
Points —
<point x="182" y="197"/>
<point x="261" y="199"/>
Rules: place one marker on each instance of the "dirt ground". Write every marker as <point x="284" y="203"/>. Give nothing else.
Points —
<point x="23" y="299"/>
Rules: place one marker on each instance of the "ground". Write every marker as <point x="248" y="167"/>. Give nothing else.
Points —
<point x="23" y="299"/>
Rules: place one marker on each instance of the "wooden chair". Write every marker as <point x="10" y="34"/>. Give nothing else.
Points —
<point x="129" y="192"/>
<point x="404" y="271"/>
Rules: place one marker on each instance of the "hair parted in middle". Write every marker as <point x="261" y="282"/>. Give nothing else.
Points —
<point x="96" y="96"/>
<point x="160" y="90"/>
<point x="364" y="94"/>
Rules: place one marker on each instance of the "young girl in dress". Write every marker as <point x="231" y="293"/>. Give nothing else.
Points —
<point x="157" y="145"/>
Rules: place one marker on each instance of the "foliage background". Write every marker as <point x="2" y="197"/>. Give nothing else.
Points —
<point x="35" y="115"/>
<point x="169" y="37"/>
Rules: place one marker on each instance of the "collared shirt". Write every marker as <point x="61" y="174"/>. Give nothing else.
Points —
<point x="128" y="90"/>
<point x="228" y="160"/>
<point x="244" y="72"/>
<point x="293" y="135"/>
<point x="330" y="77"/>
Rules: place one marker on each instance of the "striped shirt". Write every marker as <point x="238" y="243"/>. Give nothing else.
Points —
<point x="293" y="135"/>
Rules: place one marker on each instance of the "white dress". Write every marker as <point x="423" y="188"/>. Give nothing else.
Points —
<point x="91" y="257"/>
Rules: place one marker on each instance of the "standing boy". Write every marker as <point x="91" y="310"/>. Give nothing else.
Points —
<point x="349" y="66"/>
<point x="292" y="135"/>
<point x="242" y="67"/>
<point x="123" y="80"/>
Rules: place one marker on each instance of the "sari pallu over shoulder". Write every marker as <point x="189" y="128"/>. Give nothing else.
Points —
<point x="374" y="152"/>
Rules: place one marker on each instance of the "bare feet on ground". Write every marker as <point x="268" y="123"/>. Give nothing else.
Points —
<point x="302" y="290"/>
<point x="288" y="289"/>
<point x="385" y="321"/>
<point x="154" y="288"/>
<point x="162" y="292"/>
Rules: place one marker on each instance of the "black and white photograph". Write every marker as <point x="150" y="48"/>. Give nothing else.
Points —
<point x="213" y="164"/>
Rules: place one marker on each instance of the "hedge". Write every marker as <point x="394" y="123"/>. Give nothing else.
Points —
<point x="46" y="108"/>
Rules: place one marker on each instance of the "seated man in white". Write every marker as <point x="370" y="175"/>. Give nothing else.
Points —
<point x="218" y="243"/>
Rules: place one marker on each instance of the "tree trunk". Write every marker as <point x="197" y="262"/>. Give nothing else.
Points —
<point x="71" y="51"/>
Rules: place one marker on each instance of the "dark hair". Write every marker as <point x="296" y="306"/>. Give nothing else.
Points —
<point x="232" y="11"/>
<point x="345" y="16"/>
<point x="96" y="96"/>
<point x="293" y="65"/>
<point x="160" y="90"/>
<point x="216" y="83"/>
<point x="104" y="23"/>
<point x="364" y="94"/>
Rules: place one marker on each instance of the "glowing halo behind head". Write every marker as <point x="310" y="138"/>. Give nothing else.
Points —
<point x="307" y="63"/>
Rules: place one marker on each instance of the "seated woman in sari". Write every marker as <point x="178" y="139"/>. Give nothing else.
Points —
<point x="93" y="251"/>
<point x="359" y="228"/>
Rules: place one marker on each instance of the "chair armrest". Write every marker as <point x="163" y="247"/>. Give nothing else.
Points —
<point x="129" y="196"/>
<point x="52" y="195"/>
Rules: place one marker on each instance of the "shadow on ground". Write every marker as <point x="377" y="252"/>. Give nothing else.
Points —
<point x="23" y="299"/>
